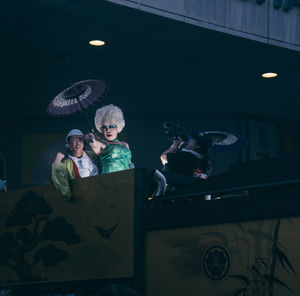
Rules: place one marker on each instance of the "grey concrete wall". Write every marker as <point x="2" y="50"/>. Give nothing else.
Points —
<point x="244" y="18"/>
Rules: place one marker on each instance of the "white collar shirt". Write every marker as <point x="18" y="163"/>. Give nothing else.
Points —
<point x="85" y="165"/>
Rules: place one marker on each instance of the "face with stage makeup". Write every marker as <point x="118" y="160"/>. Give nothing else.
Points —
<point x="109" y="131"/>
<point x="109" y="121"/>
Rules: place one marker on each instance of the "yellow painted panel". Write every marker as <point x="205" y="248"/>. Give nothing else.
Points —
<point x="43" y="237"/>
<point x="223" y="259"/>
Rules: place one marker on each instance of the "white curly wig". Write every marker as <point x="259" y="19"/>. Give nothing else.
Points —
<point x="109" y="114"/>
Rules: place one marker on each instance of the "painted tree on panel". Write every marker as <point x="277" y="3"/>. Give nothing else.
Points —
<point x="19" y="249"/>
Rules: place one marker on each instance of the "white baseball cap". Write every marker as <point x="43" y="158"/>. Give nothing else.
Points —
<point x="74" y="132"/>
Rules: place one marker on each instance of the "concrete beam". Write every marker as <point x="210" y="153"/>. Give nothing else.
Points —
<point x="267" y="21"/>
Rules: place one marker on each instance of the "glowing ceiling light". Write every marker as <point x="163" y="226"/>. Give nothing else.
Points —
<point x="269" y="75"/>
<point x="96" y="42"/>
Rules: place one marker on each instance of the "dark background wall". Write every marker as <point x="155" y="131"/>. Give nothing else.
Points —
<point x="146" y="138"/>
<point x="144" y="135"/>
<point x="157" y="69"/>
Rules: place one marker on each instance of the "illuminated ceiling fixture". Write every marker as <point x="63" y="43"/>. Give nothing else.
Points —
<point x="96" y="42"/>
<point x="269" y="75"/>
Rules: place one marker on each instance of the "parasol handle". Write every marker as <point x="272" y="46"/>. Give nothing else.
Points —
<point x="86" y="117"/>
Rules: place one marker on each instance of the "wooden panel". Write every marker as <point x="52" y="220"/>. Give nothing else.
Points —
<point x="223" y="259"/>
<point x="212" y="11"/>
<point x="285" y="26"/>
<point x="44" y="238"/>
<point x="248" y="16"/>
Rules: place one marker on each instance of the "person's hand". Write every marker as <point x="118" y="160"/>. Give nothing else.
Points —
<point x="174" y="147"/>
<point x="177" y="142"/>
<point x="59" y="157"/>
<point x="89" y="137"/>
<point x="94" y="142"/>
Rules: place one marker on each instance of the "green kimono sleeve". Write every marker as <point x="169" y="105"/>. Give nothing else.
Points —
<point x="61" y="176"/>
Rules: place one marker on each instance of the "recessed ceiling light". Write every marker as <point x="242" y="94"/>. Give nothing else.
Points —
<point x="96" y="42"/>
<point x="269" y="75"/>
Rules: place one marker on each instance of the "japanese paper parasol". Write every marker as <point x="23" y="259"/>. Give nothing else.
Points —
<point x="224" y="141"/>
<point x="77" y="97"/>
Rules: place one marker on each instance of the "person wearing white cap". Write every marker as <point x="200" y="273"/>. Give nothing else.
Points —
<point x="77" y="164"/>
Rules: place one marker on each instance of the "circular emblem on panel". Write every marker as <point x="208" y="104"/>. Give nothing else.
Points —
<point x="216" y="262"/>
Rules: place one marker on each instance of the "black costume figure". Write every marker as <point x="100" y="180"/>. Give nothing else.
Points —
<point x="191" y="161"/>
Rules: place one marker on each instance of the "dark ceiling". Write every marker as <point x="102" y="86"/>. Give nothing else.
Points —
<point x="154" y="66"/>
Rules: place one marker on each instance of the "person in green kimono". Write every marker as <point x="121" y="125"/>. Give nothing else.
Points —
<point x="76" y="164"/>
<point x="113" y="154"/>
